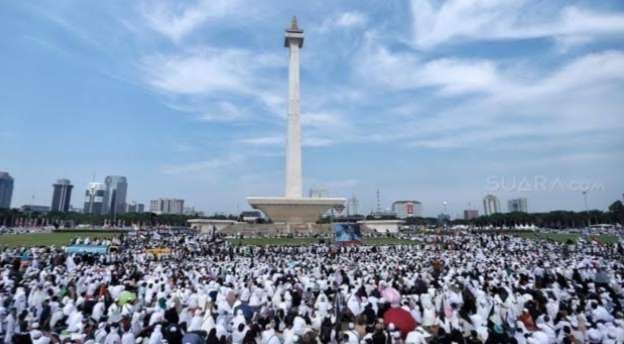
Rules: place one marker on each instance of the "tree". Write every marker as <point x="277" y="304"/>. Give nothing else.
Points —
<point x="616" y="210"/>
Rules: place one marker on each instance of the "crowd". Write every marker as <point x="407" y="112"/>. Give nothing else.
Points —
<point x="470" y="288"/>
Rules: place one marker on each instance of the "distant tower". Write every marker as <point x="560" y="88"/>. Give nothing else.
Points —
<point x="378" y="202"/>
<point x="6" y="190"/>
<point x="352" y="205"/>
<point x="491" y="205"/>
<point x="61" y="196"/>
<point x="116" y="189"/>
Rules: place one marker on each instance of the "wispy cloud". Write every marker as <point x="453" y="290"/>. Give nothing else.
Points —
<point x="450" y="76"/>
<point x="175" y="20"/>
<point x="501" y="105"/>
<point x="264" y="140"/>
<point x="344" y="20"/>
<point x="469" y="20"/>
<point x="215" y="83"/>
<point x="205" y="70"/>
<point x="205" y="166"/>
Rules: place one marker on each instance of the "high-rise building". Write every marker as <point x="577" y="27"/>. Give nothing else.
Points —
<point x="6" y="190"/>
<point x="116" y="189"/>
<point x="470" y="214"/>
<point x="517" y="204"/>
<point x="491" y="205"/>
<point x="405" y="209"/>
<point x="167" y="206"/>
<point x="61" y="196"/>
<point x="95" y="197"/>
<point x="135" y="207"/>
<point x="353" y="205"/>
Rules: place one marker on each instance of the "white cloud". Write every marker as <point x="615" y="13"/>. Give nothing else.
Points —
<point x="312" y="141"/>
<point x="408" y="71"/>
<point x="205" y="166"/>
<point x="350" y="19"/>
<point x="323" y="120"/>
<point x="225" y="112"/>
<point x="200" y="80"/>
<point x="581" y="96"/>
<point x="174" y="20"/>
<point x="454" y="20"/>
<point x="345" y="20"/>
<point x="264" y="140"/>
<point x="202" y="71"/>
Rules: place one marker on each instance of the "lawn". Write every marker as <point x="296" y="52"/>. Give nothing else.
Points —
<point x="558" y="237"/>
<point x="564" y="237"/>
<point x="273" y="241"/>
<point x="47" y="239"/>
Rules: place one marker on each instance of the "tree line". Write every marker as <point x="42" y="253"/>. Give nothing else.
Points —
<point x="16" y="217"/>
<point x="552" y="219"/>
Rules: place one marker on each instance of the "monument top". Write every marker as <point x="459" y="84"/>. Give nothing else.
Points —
<point x="293" y="35"/>
<point x="293" y="25"/>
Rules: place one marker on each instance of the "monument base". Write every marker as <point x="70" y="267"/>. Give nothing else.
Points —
<point x="294" y="210"/>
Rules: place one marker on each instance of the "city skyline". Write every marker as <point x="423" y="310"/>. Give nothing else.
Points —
<point x="419" y="100"/>
<point x="518" y="202"/>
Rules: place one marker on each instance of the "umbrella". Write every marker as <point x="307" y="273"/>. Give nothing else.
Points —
<point x="401" y="319"/>
<point x="126" y="297"/>
<point x="391" y="295"/>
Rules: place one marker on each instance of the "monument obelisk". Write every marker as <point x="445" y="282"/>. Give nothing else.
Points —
<point x="293" y="40"/>
<point x="293" y="208"/>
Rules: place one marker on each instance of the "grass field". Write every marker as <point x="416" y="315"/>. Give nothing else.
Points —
<point x="47" y="239"/>
<point x="273" y="241"/>
<point x="564" y="237"/>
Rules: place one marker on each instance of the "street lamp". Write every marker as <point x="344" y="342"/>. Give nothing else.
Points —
<point x="586" y="208"/>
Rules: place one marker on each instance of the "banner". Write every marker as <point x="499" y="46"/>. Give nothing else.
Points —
<point x="347" y="232"/>
<point x="84" y="249"/>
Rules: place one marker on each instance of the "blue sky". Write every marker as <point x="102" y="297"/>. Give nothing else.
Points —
<point x="427" y="100"/>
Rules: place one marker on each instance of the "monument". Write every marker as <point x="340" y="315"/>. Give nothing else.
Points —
<point x="293" y="208"/>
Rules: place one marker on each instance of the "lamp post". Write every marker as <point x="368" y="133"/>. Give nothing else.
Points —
<point x="586" y="208"/>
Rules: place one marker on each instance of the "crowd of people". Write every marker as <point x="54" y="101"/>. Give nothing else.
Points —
<point x="464" y="288"/>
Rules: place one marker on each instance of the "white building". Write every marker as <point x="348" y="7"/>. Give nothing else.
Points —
<point x="491" y="205"/>
<point x="167" y="206"/>
<point x="405" y="209"/>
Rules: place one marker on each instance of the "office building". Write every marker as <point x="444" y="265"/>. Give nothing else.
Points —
<point x="61" y="196"/>
<point x="167" y="206"/>
<point x="471" y="214"/>
<point x="95" y="199"/>
<point x="353" y="205"/>
<point x="134" y="207"/>
<point x="517" y="205"/>
<point x="405" y="209"/>
<point x="116" y="189"/>
<point x="491" y="205"/>
<point x="6" y="190"/>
